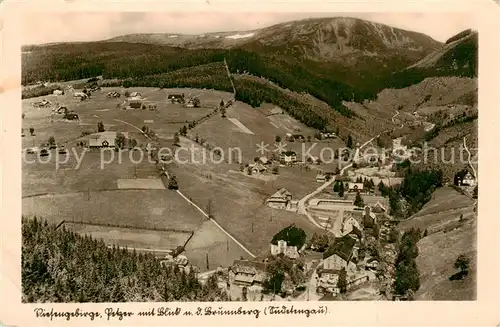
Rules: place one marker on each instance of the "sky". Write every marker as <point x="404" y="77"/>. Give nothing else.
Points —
<point x="73" y="26"/>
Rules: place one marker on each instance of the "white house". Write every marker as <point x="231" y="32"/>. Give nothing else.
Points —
<point x="102" y="140"/>
<point x="355" y="187"/>
<point x="58" y="92"/>
<point x="469" y="180"/>
<point x="288" y="157"/>
<point x="282" y="248"/>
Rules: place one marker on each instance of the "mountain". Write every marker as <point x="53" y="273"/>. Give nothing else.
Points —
<point x="457" y="57"/>
<point x="333" y="60"/>
<point x="338" y="39"/>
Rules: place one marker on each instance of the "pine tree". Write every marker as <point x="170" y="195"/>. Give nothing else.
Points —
<point x="358" y="201"/>
<point x="341" y="190"/>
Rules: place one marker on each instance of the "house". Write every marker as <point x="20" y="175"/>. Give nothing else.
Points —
<point x="71" y="116"/>
<point x="349" y="224"/>
<point x="378" y="208"/>
<point x="328" y="135"/>
<point x="135" y="95"/>
<point x="102" y="140"/>
<point x="298" y="137"/>
<point x="321" y="178"/>
<point x="282" y="248"/>
<point x="369" y="218"/>
<point x="134" y="103"/>
<point x="247" y="272"/>
<point x="469" y="180"/>
<point x="176" y="97"/>
<point x="257" y="168"/>
<point x="80" y="95"/>
<point x="355" y="187"/>
<point x="264" y="161"/>
<point x="288" y="157"/>
<point x="280" y="200"/>
<point x="338" y="256"/>
<point x="58" y="92"/>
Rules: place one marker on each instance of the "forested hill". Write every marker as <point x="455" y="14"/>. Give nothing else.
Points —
<point x="62" y="266"/>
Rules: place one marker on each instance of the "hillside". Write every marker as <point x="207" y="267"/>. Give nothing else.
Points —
<point x="320" y="39"/>
<point x="61" y="266"/>
<point x="457" y="57"/>
<point x="447" y="237"/>
<point x="332" y="61"/>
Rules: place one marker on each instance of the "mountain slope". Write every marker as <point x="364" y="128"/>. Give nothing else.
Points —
<point x="447" y="237"/>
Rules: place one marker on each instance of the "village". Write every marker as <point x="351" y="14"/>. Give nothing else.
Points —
<point x="347" y="248"/>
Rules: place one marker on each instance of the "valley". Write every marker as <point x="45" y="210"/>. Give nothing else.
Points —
<point x="246" y="163"/>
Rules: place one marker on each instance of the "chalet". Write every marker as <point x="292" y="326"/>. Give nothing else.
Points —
<point x="355" y="187"/>
<point x="288" y="157"/>
<point x="349" y="224"/>
<point x="464" y="178"/>
<point x="102" y="140"/>
<point x="280" y="200"/>
<point x="176" y="97"/>
<point x="58" y="92"/>
<point x="321" y="178"/>
<point x="247" y="273"/>
<point x="257" y="168"/>
<point x="282" y="248"/>
<point x="469" y="180"/>
<point x="80" y="95"/>
<point x="338" y="256"/>
<point x="378" y="207"/>
<point x="135" y="95"/>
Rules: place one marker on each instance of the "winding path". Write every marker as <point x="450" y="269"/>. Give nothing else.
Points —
<point x="301" y="206"/>
<point x="469" y="156"/>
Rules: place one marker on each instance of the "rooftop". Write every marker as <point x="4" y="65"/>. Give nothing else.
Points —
<point x="342" y="247"/>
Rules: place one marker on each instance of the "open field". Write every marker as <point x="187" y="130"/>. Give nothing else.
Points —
<point x="136" y="208"/>
<point x="237" y="202"/>
<point x="224" y="133"/>
<point x="131" y="237"/>
<point x="165" y="121"/>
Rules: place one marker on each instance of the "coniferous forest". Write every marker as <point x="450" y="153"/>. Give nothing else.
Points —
<point x="59" y="265"/>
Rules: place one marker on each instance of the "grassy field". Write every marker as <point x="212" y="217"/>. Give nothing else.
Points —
<point x="448" y="237"/>
<point x="237" y="201"/>
<point x="155" y="209"/>
<point x="131" y="237"/>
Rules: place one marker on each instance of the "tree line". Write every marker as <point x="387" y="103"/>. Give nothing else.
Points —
<point x="59" y="265"/>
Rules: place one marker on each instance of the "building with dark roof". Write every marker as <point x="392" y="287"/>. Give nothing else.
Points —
<point x="339" y="255"/>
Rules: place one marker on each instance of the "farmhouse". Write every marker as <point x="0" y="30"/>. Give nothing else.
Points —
<point x="264" y="161"/>
<point x="176" y="97"/>
<point x="58" y="92"/>
<point x="257" y="168"/>
<point x="134" y="103"/>
<point x="468" y="180"/>
<point x="246" y="272"/>
<point x="102" y="140"/>
<point x="280" y="200"/>
<point x="355" y="187"/>
<point x="80" y="95"/>
<point x="339" y="255"/>
<point x="288" y="157"/>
